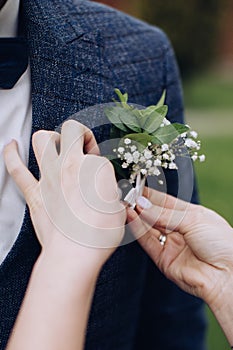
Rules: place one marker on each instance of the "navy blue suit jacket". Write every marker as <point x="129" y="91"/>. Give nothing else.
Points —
<point x="79" y="52"/>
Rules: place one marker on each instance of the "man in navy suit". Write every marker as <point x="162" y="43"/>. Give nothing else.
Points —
<point x="79" y="51"/>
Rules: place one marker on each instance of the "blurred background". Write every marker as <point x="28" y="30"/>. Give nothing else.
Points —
<point x="201" y="32"/>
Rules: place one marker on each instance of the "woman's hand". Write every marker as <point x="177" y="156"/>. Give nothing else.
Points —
<point x="198" y="253"/>
<point x="79" y="222"/>
<point x="74" y="206"/>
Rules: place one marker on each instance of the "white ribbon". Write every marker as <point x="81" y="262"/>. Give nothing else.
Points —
<point x="135" y="192"/>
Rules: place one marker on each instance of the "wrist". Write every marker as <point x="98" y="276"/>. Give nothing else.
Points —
<point x="222" y="308"/>
<point x="68" y="261"/>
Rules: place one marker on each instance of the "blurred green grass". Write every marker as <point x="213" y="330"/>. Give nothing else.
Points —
<point x="209" y="91"/>
<point x="215" y="186"/>
<point x="209" y="102"/>
<point x="216" y="174"/>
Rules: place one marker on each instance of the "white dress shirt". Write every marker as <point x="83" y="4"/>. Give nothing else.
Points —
<point x="15" y="123"/>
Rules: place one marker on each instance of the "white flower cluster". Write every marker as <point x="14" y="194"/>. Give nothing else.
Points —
<point x="192" y="145"/>
<point x="147" y="160"/>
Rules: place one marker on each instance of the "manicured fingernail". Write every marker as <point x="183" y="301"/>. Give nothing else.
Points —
<point x="144" y="203"/>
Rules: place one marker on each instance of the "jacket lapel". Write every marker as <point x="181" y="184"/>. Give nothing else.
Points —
<point x="64" y="58"/>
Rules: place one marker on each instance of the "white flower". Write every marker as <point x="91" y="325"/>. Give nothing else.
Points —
<point x="166" y="122"/>
<point x="121" y="150"/>
<point x="136" y="156"/>
<point x="149" y="163"/>
<point x="156" y="171"/>
<point x="147" y="154"/>
<point x="128" y="157"/>
<point x="143" y="171"/>
<point x="194" y="134"/>
<point x="133" y="148"/>
<point x="166" y="156"/>
<point x="165" y="147"/>
<point x="173" y="157"/>
<point x="127" y="141"/>
<point x="157" y="162"/>
<point x="190" y="143"/>
<point x="142" y="159"/>
<point x="172" y="165"/>
<point x="202" y="158"/>
<point x="124" y="165"/>
<point x="194" y="157"/>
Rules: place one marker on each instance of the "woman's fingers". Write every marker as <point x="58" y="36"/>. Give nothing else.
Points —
<point x="45" y="145"/>
<point x="138" y="227"/>
<point x="19" y="172"/>
<point x="90" y="144"/>
<point x="147" y="236"/>
<point x="164" y="200"/>
<point x="168" y="219"/>
<point x="76" y="139"/>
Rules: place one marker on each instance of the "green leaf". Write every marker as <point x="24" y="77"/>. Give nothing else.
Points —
<point x="140" y="138"/>
<point x="180" y="128"/>
<point x="162" y="99"/>
<point x="153" y="122"/>
<point x="148" y="110"/>
<point x="113" y="115"/>
<point x="162" y="110"/>
<point x="154" y="119"/>
<point x="129" y="119"/>
<point x="122" y="98"/>
<point x="169" y="133"/>
<point x="116" y="133"/>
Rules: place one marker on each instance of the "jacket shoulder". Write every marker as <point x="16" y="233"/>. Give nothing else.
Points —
<point x="112" y="24"/>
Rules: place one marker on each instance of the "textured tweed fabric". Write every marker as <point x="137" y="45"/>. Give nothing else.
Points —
<point x="79" y="52"/>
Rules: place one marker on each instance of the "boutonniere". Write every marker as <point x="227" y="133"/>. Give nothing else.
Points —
<point x="147" y="142"/>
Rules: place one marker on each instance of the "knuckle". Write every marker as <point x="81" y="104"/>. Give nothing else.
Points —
<point x="159" y="218"/>
<point x="15" y="170"/>
<point x="33" y="198"/>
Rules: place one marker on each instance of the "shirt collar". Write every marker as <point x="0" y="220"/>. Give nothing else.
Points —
<point x="9" y="19"/>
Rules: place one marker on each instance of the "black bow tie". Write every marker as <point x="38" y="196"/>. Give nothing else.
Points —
<point x="13" y="61"/>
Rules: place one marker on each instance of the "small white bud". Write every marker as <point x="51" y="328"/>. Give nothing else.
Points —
<point x="165" y="147"/>
<point x="202" y="158"/>
<point x="194" y="157"/>
<point x="194" y="134"/>
<point x="127" y="141"/>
